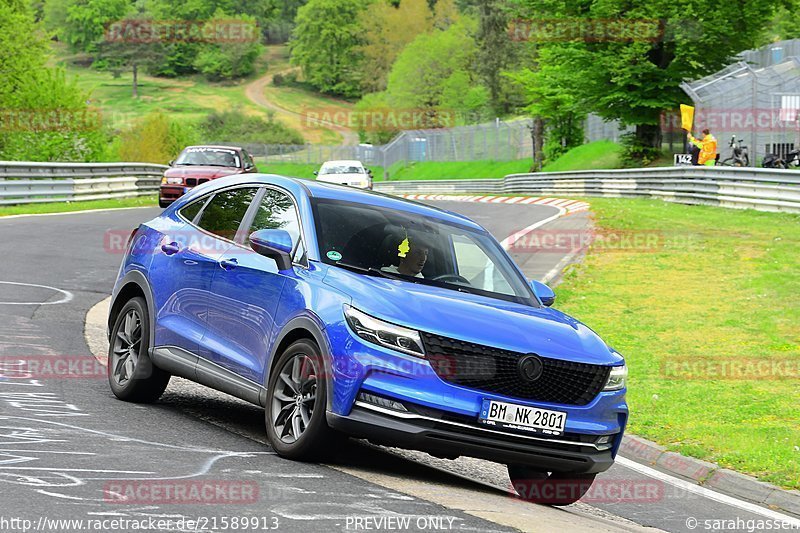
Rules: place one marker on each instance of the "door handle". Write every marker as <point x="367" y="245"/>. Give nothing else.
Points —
<point x="229" y="264"/>
<point x="171" y="248"/>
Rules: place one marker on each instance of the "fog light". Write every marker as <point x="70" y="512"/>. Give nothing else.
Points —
<point x="604" y="439"/>
<point x="381" y="402"/>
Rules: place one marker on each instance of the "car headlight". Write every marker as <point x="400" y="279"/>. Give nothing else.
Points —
<point x="171" y="181"/>
<point x="383" y="333"/>
<point x="617" y="377"/>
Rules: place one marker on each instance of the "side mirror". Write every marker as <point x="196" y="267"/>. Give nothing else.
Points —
<point x="316" y="173"/>
<point x="543" y="292"/>
<point x="275" y="244"/>
<point x="171" y="162"/>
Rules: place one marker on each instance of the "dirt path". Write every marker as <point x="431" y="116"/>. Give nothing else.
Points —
<point x="255" y="93"/>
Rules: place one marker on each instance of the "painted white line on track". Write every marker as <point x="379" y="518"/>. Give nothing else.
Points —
<point x="7" y="217"/>
<point x="509" y="241"/>
<point x="707" y="493"/>
<point x="64" y="299"/>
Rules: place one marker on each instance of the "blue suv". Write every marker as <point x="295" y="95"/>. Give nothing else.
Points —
<point x="345" y="312"/>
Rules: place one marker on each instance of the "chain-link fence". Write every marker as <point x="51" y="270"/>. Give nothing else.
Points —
<point x="496" y="141"/>
<point x="756" y="101"/>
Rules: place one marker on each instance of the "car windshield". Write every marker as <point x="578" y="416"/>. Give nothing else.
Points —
<point x="396" y="244"/>
<point x="342" y="169"/>
<point x="212" y="157"/>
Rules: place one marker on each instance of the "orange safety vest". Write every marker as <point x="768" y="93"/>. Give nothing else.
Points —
<point x="708" y="148"/>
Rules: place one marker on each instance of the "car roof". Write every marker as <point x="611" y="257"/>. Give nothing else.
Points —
<point x="331" y="191"/>
<point x="352" y="162"/>
<point x="219" y="146"/>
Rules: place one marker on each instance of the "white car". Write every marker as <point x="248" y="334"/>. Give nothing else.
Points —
<point x="350" y="173"/>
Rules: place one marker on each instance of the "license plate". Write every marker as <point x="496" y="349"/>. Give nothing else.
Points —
<point x="512" y="416"/>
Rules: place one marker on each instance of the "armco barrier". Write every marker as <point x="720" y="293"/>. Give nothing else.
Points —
<point x="754" y="188"/>
<point x="25" y="183"/>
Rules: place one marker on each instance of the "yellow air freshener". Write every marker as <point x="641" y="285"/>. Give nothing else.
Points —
<point x="403" y="248"/>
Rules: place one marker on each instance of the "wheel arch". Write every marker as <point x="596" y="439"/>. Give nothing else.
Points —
<point x="133" y="284"/>
<point x="299" y="328"/>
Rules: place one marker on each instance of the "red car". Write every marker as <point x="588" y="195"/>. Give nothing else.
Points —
<point x="199" y="164"/>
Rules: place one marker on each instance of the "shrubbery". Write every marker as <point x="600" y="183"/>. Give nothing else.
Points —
<point x="235" y="126"/>
<point x="154" y="139"/>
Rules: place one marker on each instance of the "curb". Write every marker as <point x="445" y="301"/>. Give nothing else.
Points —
<point x="711" y="475"/>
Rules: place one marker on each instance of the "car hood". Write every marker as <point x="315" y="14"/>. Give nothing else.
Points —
<point x="200" y="172"/>
<point x="473" y="318"/>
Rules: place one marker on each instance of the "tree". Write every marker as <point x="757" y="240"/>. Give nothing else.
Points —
<point x="326" y="44"/>
<point x="431" y="69"/>
<point x="228" y="60"/>
<point x="44" y="116"/>
<point x="86" y="21"/>
<point x="388" y="28"/>
<point x="496" y="54"/>
<point x="633" y="71"/>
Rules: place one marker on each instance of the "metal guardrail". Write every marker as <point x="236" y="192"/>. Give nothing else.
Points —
<point x="754" y="188"/>
<point x="25" y="183"/>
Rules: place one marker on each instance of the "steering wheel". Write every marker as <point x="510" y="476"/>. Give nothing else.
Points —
<point x="452" y="278"/>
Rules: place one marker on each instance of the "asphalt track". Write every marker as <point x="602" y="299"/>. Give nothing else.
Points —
<point x="64" y="442"/>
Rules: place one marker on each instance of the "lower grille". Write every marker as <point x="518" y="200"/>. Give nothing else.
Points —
<point x="495" y="370"/>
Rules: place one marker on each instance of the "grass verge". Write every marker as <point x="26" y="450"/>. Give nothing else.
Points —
<point x="720" y="289"/>
<point x="68" y="207"/>
<point x="598" y="155"/>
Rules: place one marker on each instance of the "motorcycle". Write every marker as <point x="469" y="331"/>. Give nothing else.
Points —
<point x="776" y="161"/>
<point x="739" y="156"/>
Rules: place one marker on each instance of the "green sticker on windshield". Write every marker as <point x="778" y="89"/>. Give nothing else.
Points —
<point x="333" y="255"/>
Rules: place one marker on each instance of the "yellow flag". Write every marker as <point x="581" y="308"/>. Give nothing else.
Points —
<point x="687" y="117"/>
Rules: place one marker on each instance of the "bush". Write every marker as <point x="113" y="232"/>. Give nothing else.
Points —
<point x="277" y="80"/>
<point x="155" y="139"/>
<point x="635" y="153"/>
<point x="236" y="127"/>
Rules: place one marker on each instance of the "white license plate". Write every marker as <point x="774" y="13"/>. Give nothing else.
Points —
<point x="512" y="416"/>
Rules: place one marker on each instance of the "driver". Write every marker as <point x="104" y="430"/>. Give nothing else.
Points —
<point x="412" y="260"/>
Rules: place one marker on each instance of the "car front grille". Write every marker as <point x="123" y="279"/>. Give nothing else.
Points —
<point x="495" y="370"/>
<point x="191" y="182"/>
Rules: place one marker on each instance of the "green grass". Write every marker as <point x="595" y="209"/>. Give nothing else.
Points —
<point x="723" y="285"/>
<point x="68" y="207"/>
<point x="596" y="155"/>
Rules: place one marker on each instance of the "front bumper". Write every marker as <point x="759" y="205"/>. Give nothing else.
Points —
<point x="443" y="437"/>
<point x="170" y="193"/>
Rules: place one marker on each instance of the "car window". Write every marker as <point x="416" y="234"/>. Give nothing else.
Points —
<point x="214" y="157"/>
<point x="342" y="169"/>
<point x="477" y="267"/>
<point x="421" y="249"/>
<point x="191" y="210"/>
<point x="225" y="211"/>
<point x="277" y="211"/>
<point x="248" y="160"/>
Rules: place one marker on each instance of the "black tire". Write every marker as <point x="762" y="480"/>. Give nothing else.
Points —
<point x="546" y="488"/>
<point x="131" y="374"/>
<point x="163" y="204"/>
<point x="285" y="414"/>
